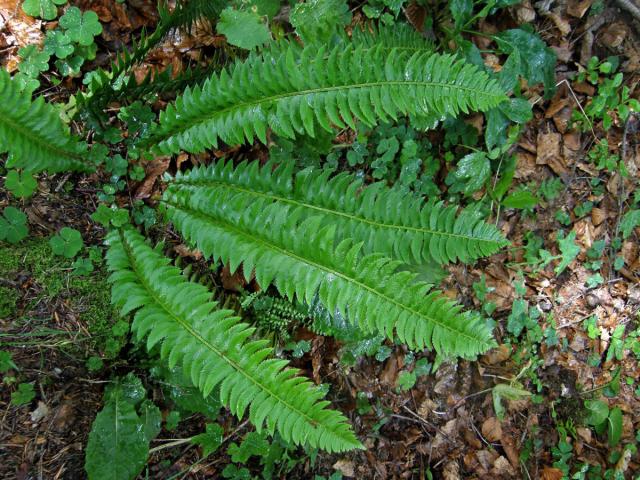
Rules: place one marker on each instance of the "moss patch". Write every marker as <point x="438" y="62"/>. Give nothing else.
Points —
<point x="53" y="281"/>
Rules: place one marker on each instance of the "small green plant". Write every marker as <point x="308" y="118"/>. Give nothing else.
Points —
<point x="67" y="243"/>
<point x="13" y="225"/>
<point x="23" y="395"/>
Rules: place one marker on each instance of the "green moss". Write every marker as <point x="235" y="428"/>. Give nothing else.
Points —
<point x="88" y="297"/>
<point x="8" y="299"/>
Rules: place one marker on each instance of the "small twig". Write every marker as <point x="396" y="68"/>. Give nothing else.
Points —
<point x="575" y="99"/>
<point x="628" y="5"/>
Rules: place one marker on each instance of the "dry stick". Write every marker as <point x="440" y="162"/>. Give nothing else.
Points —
<point x="182" y="441"/>
<point x="629" y="6"/>
<point x="575" y="98"/>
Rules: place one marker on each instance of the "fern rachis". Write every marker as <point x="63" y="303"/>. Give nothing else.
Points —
<point x="302" y="259"/>
<point x="389" y="222"/>
<point x="293" y="92"/>
<point x="215" y="350"/>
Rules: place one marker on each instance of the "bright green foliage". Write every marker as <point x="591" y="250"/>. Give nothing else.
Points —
<point x="214" y="349"/>
<point x="304" y="258"/>
<point x="67" y="243"/>
<point x="23" y="395"/>
<point x="211" y="440"/>
<point x="629" y="222"/>
<point x="317" y="21"/>
<point x="21" y="184"/>
<point x="387" y="221"/>
<point x="13" y="225"/>
<point x="243" y="29"/>
<point x="33" y="133"/>
<point x="295" y="93"/>
<point x="81" y="26"/>
<point x="569" y="251"/>
<point x="118" y="444"/>
<point x="45" y="9"/>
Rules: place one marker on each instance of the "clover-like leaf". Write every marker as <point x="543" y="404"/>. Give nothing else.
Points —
<point x="13" y="225"/>
<point x="569" y="250"/>
<point x="45" y="9"/>
<point x="58" y="43"/>
<point x="243" y="29"/>
<point x="81" y="26"/>
<point x="33" y="61"/>
<point x="21" y="184"/>
<point x="67" y="243"/>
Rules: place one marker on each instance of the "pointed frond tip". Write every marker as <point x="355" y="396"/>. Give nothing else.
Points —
<point x="301" y="259"/>
<point x="397" y="224"/>
<point x="215" y="349"/>
<point x="34" y="135"/>
<point x="296" y="92"/>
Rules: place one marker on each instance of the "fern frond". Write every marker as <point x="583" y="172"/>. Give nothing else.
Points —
<point x="387" y="221"/>
<point x="215" y="350"/>
<point x="400" y="35"/>
<point x="301" y="259"/>
<point x="33" y="133"/>
<point x="319" y="87"/>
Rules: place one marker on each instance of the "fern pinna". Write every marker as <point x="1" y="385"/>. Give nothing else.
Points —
<point x="215" y="349"/>
<point x="302" y="258"/>
<point x="294" y="92"/>
<point x="33" y="133"/>
<point x="386" y="220"/>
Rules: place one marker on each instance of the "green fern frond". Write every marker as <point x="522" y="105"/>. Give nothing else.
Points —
<point x="319" y="87"/>
<point x="33" y="133"/>
<point x="401" y="36"/>
<point x="215" y="350"/>
<point x="301" y="259"/>
<point x="387" y="221"/>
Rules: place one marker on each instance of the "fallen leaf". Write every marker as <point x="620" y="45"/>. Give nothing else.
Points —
<point x="345" y="467"/>
<point x="551" y="473"/>
<point x="154" y="169"/>
<point x="492" y="429"/>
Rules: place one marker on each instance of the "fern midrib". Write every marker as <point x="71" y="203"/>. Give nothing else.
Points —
<point x="326" y="269"/>
<point x="36" y="139"/>
<point x="275" y="98"/>
<point x="338" y="213"/>
<point x="238" y="368"/>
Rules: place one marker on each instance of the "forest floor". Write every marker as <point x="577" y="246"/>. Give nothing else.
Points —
<point x="565" y="339"/>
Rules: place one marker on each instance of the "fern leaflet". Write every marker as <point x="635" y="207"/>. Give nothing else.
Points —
<point x="387" y="221"/>
<point x="302" y="259"/>
<point x="215" y="350"/>
<point x="33" y="133"/>
<point x="295" y="92"/>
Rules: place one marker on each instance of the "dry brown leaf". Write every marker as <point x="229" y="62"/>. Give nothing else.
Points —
<point x="154" y="169"/>
<point x="551" y="473"/>
<point x="497" y="355"/>
<point x="577" y="8"/>
<point x="345" y="467"/>
<point x="548" y="147"/>
<point x="510" y="449"/>
<point x="492" y="429"/>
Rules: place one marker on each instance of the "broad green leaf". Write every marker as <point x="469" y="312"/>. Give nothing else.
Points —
<point x="569" y="250"/>
<point x="629" y="222"/>
<point x="538" y="61"/>
<point x="151" y="419"/>
<point x="318" y="20"/>
<point x="243" y="29"/>
<point x="597" y="411"/>
<point x="13" y="225"/>
<point x="6" y="362"/>
<point x="45" y="9"/>
<point x="473" y="170"/>
<point x="517" y="110"/>
<point x="21" y="184"/>
<point x="80" y="26"/>
<point x="614" y="430"/>
<point x="521" y="199"/>
<point x="461" y="11"/>
<point x="117" y="447"/>
<point x="67" y="243"/>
